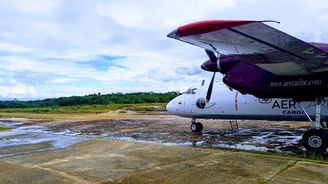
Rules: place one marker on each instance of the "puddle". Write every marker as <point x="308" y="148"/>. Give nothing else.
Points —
<point x="272" y="139"/>
<point x="34" y="138"/>
<point x="243" y="147"/>
<point x="22" y="139"/>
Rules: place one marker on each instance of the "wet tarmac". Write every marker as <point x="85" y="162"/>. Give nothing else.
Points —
<point x="83" y="151"/>
<point x="24" y="139"/>
<point x="267" y="138"/>
<point x="275" y="139"/>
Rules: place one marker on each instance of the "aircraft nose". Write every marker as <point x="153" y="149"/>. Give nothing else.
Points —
<point x="170" y="106"/>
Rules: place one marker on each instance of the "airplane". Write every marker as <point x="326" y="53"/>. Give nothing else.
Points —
<point x="229" y="104"/>
<point x="259" y="60"/>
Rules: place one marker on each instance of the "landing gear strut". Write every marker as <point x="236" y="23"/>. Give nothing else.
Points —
<point x="196" y="126"/>
<point x="315" y="139"/>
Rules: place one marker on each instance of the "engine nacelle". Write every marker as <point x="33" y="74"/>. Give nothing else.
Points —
<point x="222" y="65"/>
<point x="211" y="66"/>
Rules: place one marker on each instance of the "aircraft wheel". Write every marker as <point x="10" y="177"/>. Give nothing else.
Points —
<point x="196" y="127"/>
<point x="315" y="140"/>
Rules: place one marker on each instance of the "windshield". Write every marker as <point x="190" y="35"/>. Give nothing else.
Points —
<point x="191" y="91"/>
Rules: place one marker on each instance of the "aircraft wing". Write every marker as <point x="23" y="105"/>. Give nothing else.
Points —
<point x="281" y="54"/>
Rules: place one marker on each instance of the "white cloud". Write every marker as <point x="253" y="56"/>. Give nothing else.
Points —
<point x="160" y="14"/>
<point x="8" y="47"/>
<point x="47" y="41"/>
<point x="18" y="90"/>
<point x="61" y="80"/>
<point x="121" y="12"/>
<point x="34" y="7"/>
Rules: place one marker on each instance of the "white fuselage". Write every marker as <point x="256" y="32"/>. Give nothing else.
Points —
<point x="230" y="104"/>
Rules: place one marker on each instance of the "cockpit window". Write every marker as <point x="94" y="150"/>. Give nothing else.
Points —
<point x="191" y="91"/>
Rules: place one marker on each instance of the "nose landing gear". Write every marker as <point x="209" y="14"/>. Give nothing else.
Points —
<point x="196" y="126"/>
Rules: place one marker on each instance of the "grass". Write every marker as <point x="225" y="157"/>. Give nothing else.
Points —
<point x="82" y="112"/>
<point x="2" y="128"/>
<point x="144" y="107"/>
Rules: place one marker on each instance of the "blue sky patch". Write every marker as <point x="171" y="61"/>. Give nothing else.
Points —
<point x="103" y="62"/>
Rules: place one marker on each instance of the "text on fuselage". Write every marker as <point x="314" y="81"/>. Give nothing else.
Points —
<point x="286" y="105"/>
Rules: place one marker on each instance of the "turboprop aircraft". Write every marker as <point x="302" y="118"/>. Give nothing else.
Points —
<point x="227" y="103"/>
<point x="262" y="61"/>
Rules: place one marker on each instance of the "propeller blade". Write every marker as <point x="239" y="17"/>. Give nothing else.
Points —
<point x="210" y="89"/>
<point x="211" y="55"/>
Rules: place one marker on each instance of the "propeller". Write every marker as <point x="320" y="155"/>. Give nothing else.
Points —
<point x="214" y="59"/>
<point x="210" y="89"/>
<point x="211" y="55"/>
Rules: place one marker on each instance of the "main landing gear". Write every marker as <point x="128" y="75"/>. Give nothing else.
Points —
<point x="196" y="126"/>
<point x="316" y="139"/>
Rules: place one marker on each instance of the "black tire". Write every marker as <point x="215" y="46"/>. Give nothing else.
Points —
<point x="315" y="140"/>
<point x="196" y="127"/>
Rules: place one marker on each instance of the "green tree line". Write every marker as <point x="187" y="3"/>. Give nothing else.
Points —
<point x="92" y="99"/>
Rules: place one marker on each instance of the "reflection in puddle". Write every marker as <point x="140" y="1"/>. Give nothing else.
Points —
<point x="27" y="139"/>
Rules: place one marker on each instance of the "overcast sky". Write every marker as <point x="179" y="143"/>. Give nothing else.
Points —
<point x="75" y="47"/>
